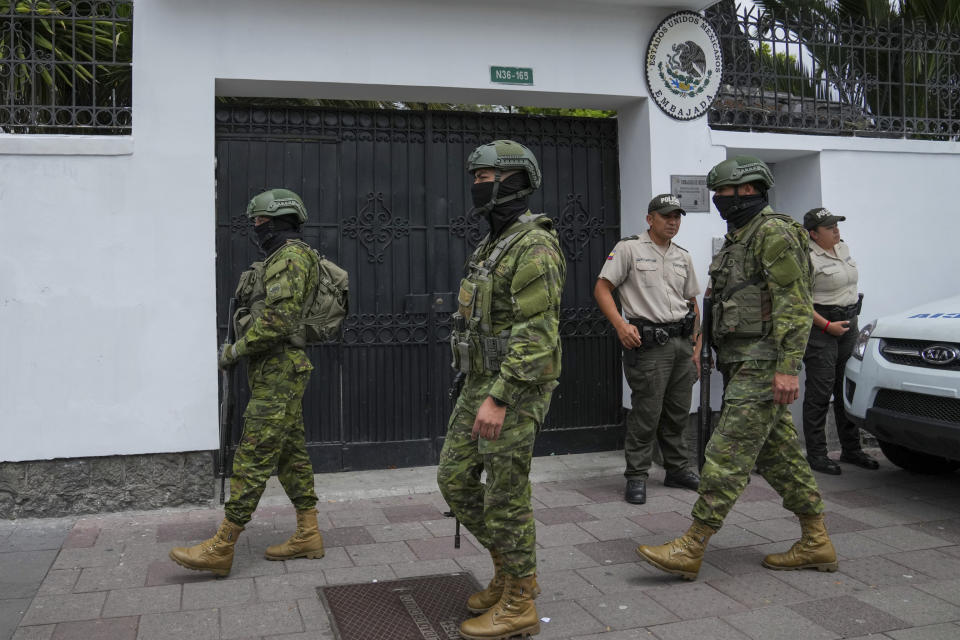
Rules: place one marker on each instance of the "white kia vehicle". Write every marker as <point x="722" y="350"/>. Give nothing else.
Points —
<point x="902" y="384"/>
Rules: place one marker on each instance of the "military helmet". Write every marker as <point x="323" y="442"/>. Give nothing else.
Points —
<point x="739" y="170"/>
<point x="506" y="155"/>
<point x="274" y="203"/>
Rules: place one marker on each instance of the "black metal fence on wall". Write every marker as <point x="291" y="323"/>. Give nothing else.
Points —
<point x="799" y="72"/>
<point x="65" y="66"/>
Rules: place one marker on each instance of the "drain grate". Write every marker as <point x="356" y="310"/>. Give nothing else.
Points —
<point x="421" y="608"/>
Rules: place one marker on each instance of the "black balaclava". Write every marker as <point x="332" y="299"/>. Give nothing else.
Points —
<point x="273" y="234"/>
<point x="738" y="210"/>
<point x="500" y="216"/>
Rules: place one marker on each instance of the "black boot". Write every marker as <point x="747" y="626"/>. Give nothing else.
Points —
<point x="636" y="491"/>
<point x="860" y="459"/>
<point x="683" y="479"/>
<point x="823" y="464"/>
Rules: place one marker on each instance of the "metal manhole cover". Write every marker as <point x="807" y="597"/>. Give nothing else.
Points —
<point x="421" y="608"/>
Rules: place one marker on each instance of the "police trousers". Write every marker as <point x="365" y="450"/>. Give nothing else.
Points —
<point x="273" y="439"/>
<point x="498" y="513"/>
<point x="825" y="361"/>
<point x="661" y="378"/>
<point x="753" y="431"/>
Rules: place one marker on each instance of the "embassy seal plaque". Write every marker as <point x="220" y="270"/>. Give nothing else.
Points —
<point x="684" y="65"/>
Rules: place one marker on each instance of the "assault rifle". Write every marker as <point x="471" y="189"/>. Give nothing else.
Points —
<point x="226" y="404"/>
<point x="704" y="412"/>
<point x="453" y="394"/>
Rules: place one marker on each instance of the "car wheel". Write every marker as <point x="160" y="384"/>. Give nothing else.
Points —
<point x="915" y="461"/>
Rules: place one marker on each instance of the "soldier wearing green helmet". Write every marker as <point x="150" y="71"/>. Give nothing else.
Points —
<point x="762" y="313"/>
<point x="271" y="296"/>
<point x="506" y="342"/>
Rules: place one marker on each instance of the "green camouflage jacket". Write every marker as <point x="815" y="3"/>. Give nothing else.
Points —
<point x="781" y="247"/>
<point x="527" y="287"/>
<point x="290" y="274"/>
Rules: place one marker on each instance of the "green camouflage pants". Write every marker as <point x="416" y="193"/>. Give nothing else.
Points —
<point x="752" y="430"/>
<point x="273" y="438"/>
<point x="499" y="513"/>
<point x="661" y="378"/>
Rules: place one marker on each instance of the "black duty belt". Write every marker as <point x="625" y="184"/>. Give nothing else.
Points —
<point x="837" y="313"/>
<point x="651" y="332"/>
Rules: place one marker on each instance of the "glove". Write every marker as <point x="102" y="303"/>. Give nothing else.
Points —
<point x="227" y="356"/>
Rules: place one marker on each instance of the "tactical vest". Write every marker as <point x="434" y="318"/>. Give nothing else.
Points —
<point x="476" y="349"/>
<point x="741" y="296"/>
<point x="324" y="307"/>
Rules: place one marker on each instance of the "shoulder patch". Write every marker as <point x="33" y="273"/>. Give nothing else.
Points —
<point x="633" y="237"/>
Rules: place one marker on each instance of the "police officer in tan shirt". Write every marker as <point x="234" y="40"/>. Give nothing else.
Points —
<point x="657" y="286"/>
<point x="836" y="305"/>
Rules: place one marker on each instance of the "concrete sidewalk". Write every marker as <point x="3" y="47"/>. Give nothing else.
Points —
<point x="898" y="535"/>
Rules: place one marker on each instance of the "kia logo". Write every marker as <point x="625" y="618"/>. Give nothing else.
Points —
<point x="940" y="354"/>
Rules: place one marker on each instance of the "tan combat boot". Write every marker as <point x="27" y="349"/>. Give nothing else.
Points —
<point x="513" y="615"/>
<point x="681" y="556"/>
<point x="215" y="554"/>
<point x="306" y="541"/>
<point x="483" y="600"/>
<point x="812" y="551"/>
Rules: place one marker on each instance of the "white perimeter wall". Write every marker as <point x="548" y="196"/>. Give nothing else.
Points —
<point x="107" y="318"/>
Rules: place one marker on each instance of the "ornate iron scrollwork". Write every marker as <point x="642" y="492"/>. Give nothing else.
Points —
<point x="376" y="227"/>
<point x="576" y="226"/>
<point x="469" y="227"/>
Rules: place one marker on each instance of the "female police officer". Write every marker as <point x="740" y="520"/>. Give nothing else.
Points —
<point x="836" y="306"/>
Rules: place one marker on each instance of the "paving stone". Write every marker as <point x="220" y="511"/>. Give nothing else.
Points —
<point x="334" y="558"/>
<point x="109" y="629"/>
<point x="776" y="529"/>
<point x="930" y="562"/>
<point x="654" y="504"/>
<point x="558" y="535"/>
<point x="616" y="578"/>
<point x="945" y="631"/>
<point x="411" y="513"/>
<point x="608" y="492"/>
<point x="260" y="619"/>
<point x="213" y="594"/>
<point x="951" y="551"/>
<point x="58" y="582"/>
<point x="610" y="529"/>
<point x="948" y="590"/>
<point x="737" y="561"/>
<point x="11" y="612"/>
<point x="480" y="566"/>
<point x="65" y="608"/>
<point x="555" y="497"/>
<point x="195" y="625"/>
<point x="732" y="535"/>
<point x="357" y="517"/>
<point x="87" y="557"/>
<point x="565" y="585"/>
<point x="21" y="572"/>
<point x="36" y="536"/>
<point x="760" y="590"/>
<point x="398" y="532"/>
<point x="439" y="548"/>
<point x="627" y="610"/>
<point x="162" y="572"/>
<point x="820" y="585"/>
<point x="777" y="623"/>
<point x="878" y="571"/>
<point x="857" y="545"/>
<point x="689" y="600"/>
<point x="948" y="530"/>
<point x="108" y="578"/>
<point x="910" y="604"/>
<point x="905" y="538"/>
<point x="441" y="527"/>
<point x="290" y="586"/>
<point x="131" y="602"/>
<point x="183" y="532"/>
<point x="857" y="499"/>
<point x="252" y="565"/>
<point x="566" y="619"/>
<point x="848" y="617"/>
<point x="558" y="558"/>
<point x="840" y="523"/>
<point x="669" y="523"/>
<point x="347" y="536"/>
<point x="628" y="634"/>
<point x="611" y="551"/>
<point x="314" y="616"/>
<point x="350" y="575"/>
<point x="81" y="536"/>
<point x="562" y="515"/>
<point x="917" y="510"/>
<point x="40" y="632"/>
<point x="697" y="630"/>
<point x="425" y="568"/>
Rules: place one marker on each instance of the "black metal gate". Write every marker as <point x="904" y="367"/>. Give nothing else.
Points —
<point x="387" y="193"/>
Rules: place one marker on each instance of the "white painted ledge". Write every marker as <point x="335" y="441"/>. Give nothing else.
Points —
<point x="802" y="144"/>
<point x="65" y="145"/>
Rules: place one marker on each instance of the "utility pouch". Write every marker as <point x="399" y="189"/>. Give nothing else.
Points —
<point x="466" y="298"/>
<point x="688" y="321"/>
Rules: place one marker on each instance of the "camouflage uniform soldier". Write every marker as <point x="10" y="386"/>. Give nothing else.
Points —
<point x="272" y="296"/>
<point x="506" y="340"/>
<point x="762" y="315"/>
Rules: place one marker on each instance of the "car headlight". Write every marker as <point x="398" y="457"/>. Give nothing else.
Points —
<point x="860" y="346"/>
